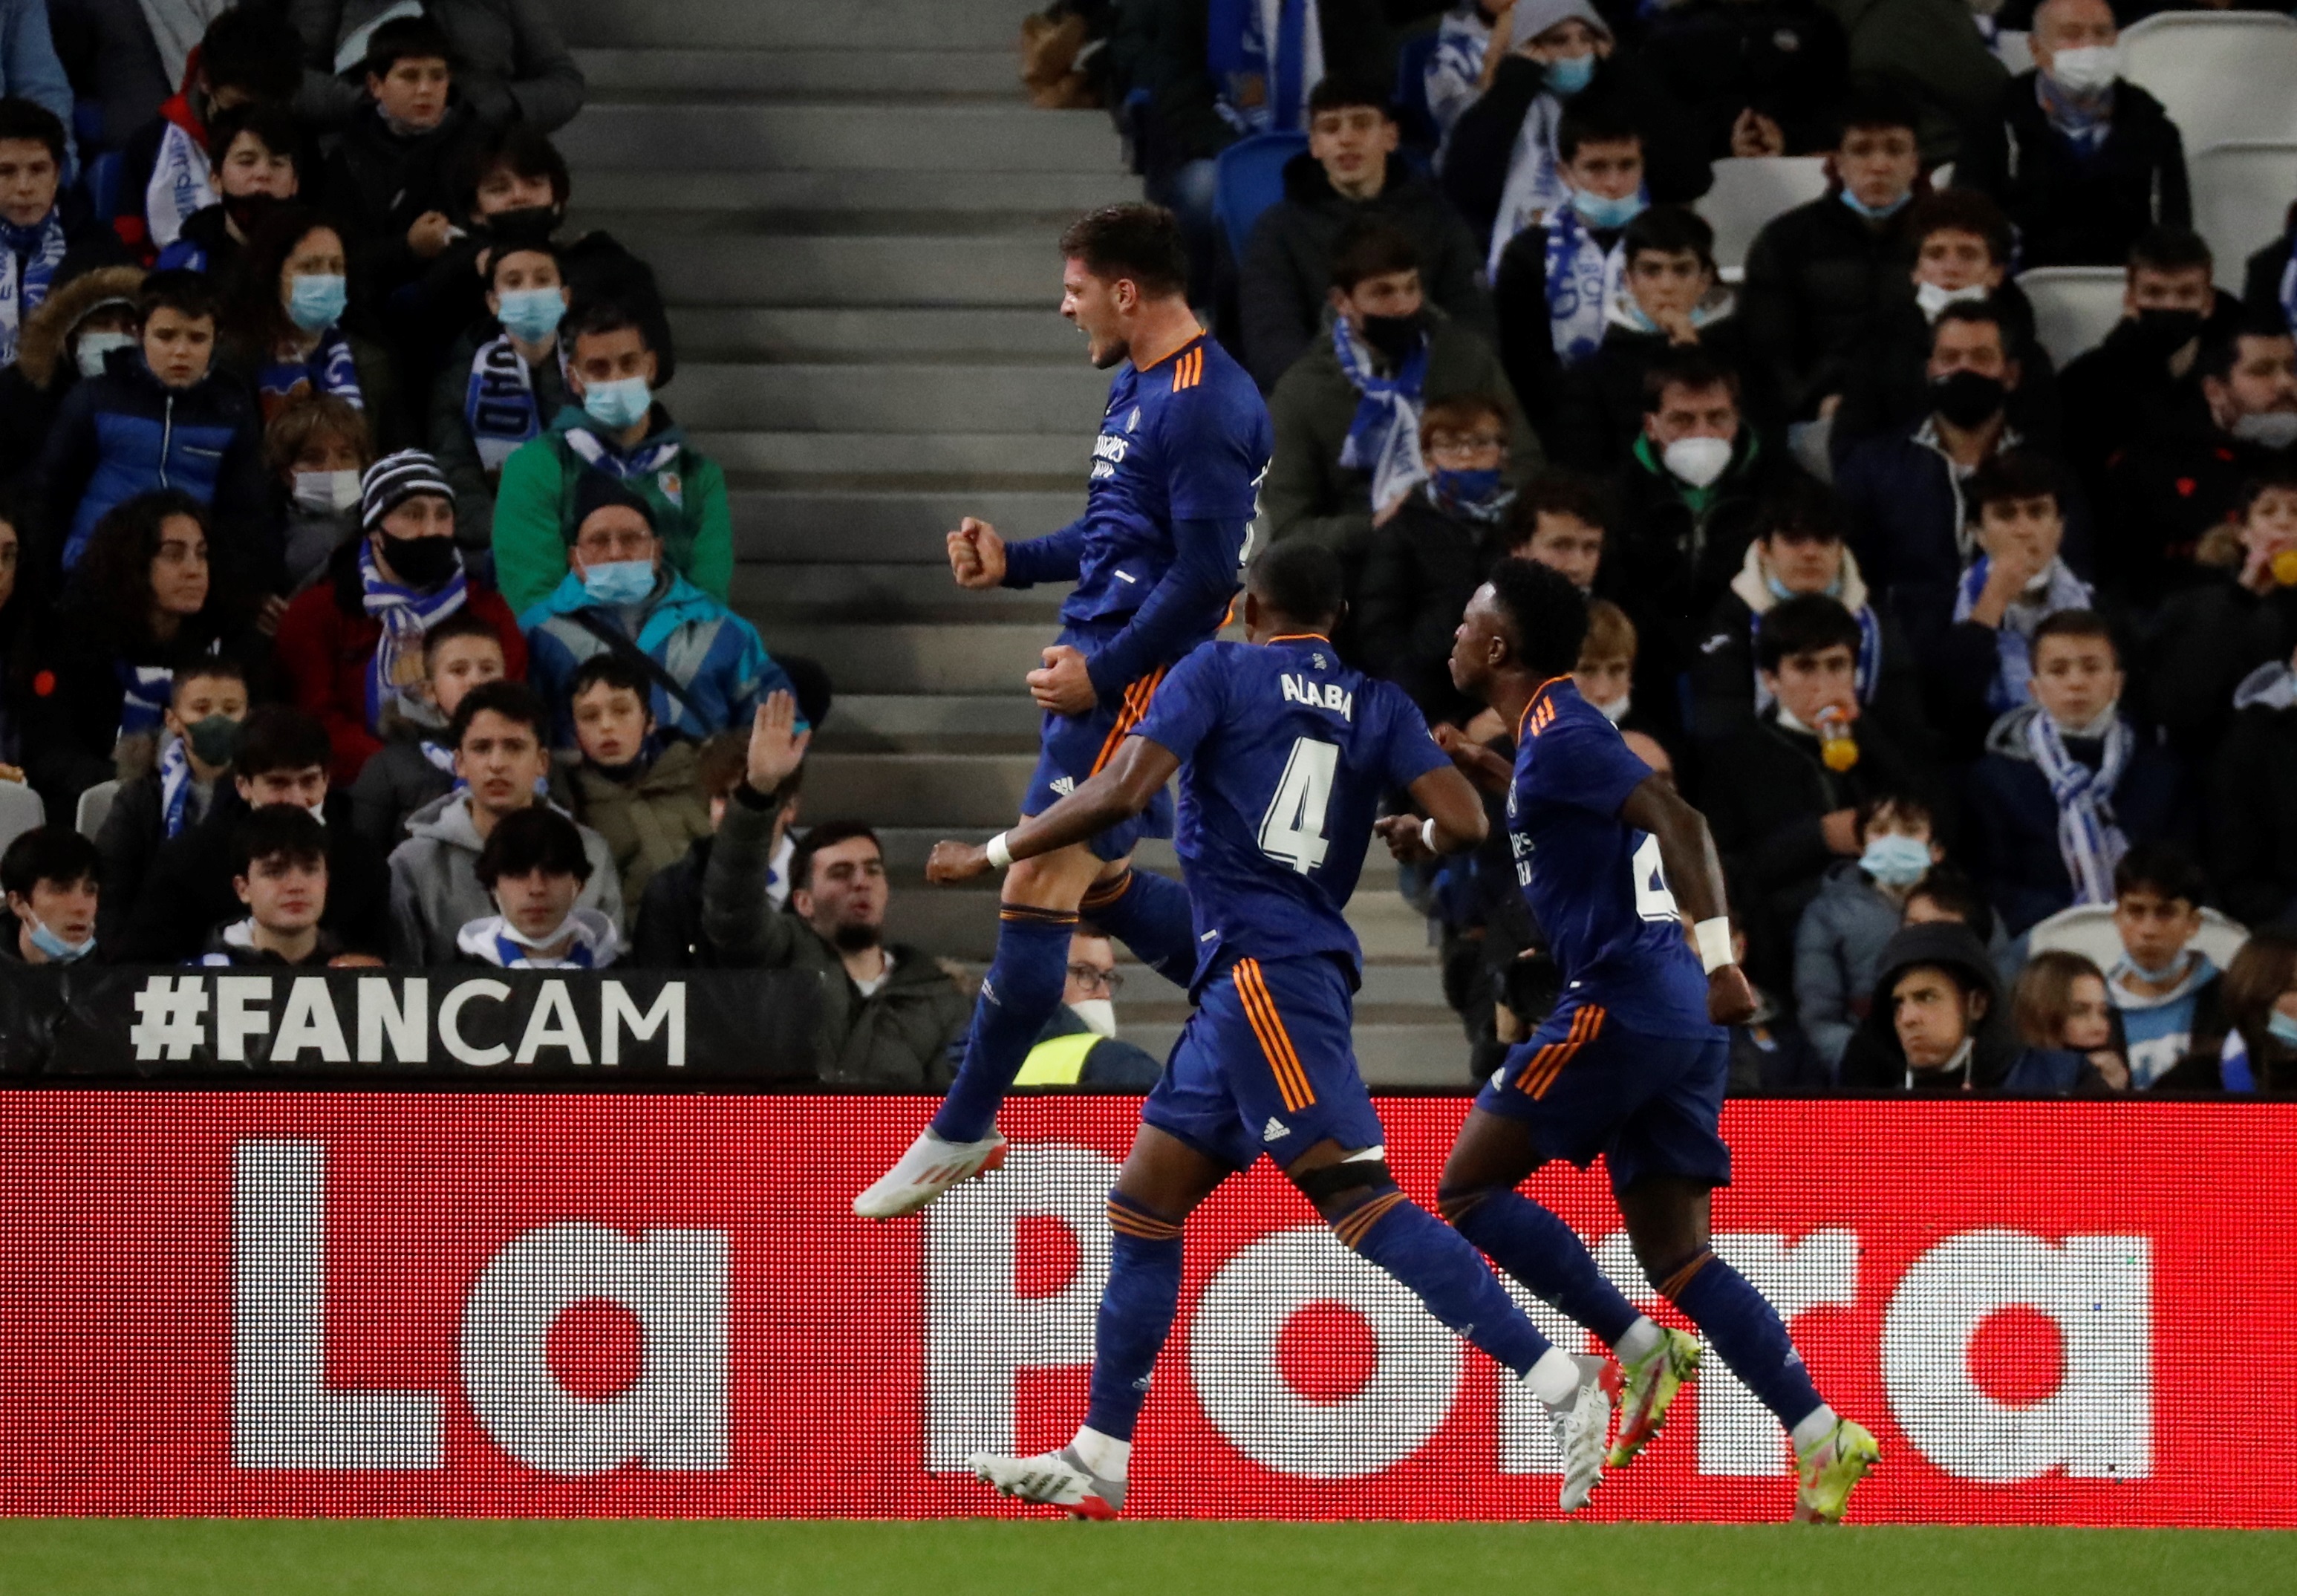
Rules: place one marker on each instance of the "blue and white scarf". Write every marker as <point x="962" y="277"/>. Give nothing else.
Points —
<point x="146" y="692"/>
<point x="1534" y="189"/>
<point x="2084" y="125"/>
<point x="182" y="182"/>
<point x="175" y="787"/>
<point x="498" y="403"/>
<point x="2013" y="640"/>
<point x="595" y="944"/>
<point x="1582" y="278"/>
<point x="31" y="256"/>
<point x="1453" y="78"/>
<point x="1265" y="56"/>
<point x="1384" y="437"/>
<point x="643" y="461"/>
<point x="330" y="368"/>
<point x="2089" y="840"/>
<point x="406" y="614"/>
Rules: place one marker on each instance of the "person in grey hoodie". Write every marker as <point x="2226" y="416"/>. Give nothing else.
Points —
<point x="1859" y="907"/>
<point x="501" y="763"/>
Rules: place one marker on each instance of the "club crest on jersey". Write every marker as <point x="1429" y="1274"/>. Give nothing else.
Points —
<point x="1321" y="696"/>
<point x="672" y="486"/>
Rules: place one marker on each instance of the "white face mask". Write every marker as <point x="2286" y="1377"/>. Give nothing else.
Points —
<point x="2087" y="70"/>
<point x="326" y="492"/>
<point x="1099" y="1015"/>
<point x="1698" y="461"/>
<point x="1932" y="299"/>
<point x="90" y="353"/>
<point x="2274" y="428"/>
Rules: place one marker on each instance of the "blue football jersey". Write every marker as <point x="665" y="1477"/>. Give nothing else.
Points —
<point x="1285" y="752"/>
<point x="1594" y="882"/>
<point x="1186" y="440"/>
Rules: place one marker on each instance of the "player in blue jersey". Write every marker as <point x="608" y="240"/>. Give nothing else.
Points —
<point x="1284" y="752"/>
<point x="1630" y="1063"/>
<point x="1169" y="506"/>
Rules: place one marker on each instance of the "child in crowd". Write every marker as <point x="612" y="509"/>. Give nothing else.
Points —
<point x="67" y="339"/>
<point x="50" y="876"/>
<point x="534" y="865"/>
<point x="2018" y="582"/>
<point x="1859" y="909"/>
<point x="648" y="806"/>
<point x="254" y="149"/>
<point x="206" y="704"/>
<point x="249" y="55"/>
<point x="280" y="872"/>
<point x="2166" y="989"/>
<point x="501" y="391"/>
<point x="2061" y="1006"/>
<point x="462" y="651"/>
<point x="316" y="448"/>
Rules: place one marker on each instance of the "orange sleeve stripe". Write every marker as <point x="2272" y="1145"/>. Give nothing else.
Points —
<point x="1275" y="1042"/>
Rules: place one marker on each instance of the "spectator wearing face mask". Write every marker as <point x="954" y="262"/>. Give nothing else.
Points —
<point x="2169" y="488"/>
<point x="63" y="342"/>
<point x="281" y="332"/>
<point x="1799" y="551"/>
<point x="1347" y="414"/>
<point x="1758" y="79"/>
<point x="1502" y="166"/>
<point x="2165" y="990"/>
<point x="252" y="151"/>
<point x="1605" y="676"/>
<point x="2067" y="784"/>
<point x="501" y="385"/>
<point x="1079" y="1045"/>
<point x="1938" y="1025"/>
<point x="2084" y="161"/>
<point x="2139" y="382"/>
<point x="1962" y="257"/>
<point x="49" y="875"/>
<point x="316" y="448"/>
<point x="534" y="866"/>
<point x="2259" y="1054"/>
<point x="199" y="733"/>
<point x="614" y="425"/>
<point x="1668" y="301"/>
<point x="352" y="646"/>
<point x="1860" y="905"/>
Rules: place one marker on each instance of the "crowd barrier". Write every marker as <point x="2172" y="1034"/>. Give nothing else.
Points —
<point x="574" y="1304"/>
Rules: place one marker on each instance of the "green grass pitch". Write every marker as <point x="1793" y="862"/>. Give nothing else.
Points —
<point x="421" y="1557"/>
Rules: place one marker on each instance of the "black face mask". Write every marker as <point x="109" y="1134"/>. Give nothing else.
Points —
<point x="247" y="211"/>
<point x="1395" y="336"/>
<point x="2164" y="332"/>
<point x="1967" y="398"/>
<point x="422" y="562"/>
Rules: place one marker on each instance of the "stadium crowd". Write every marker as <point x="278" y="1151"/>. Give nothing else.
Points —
<point x="363" y="602"/>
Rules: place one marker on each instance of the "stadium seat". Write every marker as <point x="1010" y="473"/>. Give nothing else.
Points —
<point x="1417" y="122"/>
<point x="2241" y="200"/>
<point x="94" y="808"/>
<point x="2222" y="74"/>
<point x="20" y="811"/>
<point x="2087" y="929"/>
<point x="2074" y="306"/>
<point x="1250" y="177"/>
<point x="1749" y="191"/>
<point x="2014" y="50"/>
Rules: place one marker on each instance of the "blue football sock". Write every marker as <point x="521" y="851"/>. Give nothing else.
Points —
<point x="1444" y="1272"/>
<point x="1020" y="994"/>
<point x="1136" y="1315"/>
<point x="1149" y="915"/>
<point x="1746" y="1331"/>
<point x="1547" y="1255"/>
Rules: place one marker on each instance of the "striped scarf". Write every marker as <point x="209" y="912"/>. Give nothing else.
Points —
<point x="1582" y="278"/>
<point x="330" y="368"/>
<point x="644" y="460"/>
<point x="175" y="787"/>
<point x="498" y="403"/>
<point x="406" y="614"/>
<point x="146" y="691"/>
<point x="2089" y="840"/>
<point x="2014" y="640"/>
<point x="494" y="940"/>
<point x="29" y="260"/>
<point x="1384" y="437"/>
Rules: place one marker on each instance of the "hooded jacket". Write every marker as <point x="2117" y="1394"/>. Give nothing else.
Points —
<point x="717" y="658"/>
<point x="2076" y="209"/>
<point x="1288" y="265"/>
<point x="43" y="373"/>
<point x="649" y="821"/>
<point x="2252" y="836"/>
<point x="534" y="506"/>
<point x="434" y="882"/>
<point x="1876" y="1062"/>
<point x="233" y="946"/>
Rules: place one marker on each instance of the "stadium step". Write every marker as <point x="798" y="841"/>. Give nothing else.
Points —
<point x="800" y="335"/>
<point x="1063" y="401"/>
<point x="883" y="527"/>
<point x="705" y="132"/>
<point x="992" y="270"/>
<point x="861" y="28"/>
<point x="872" y="595"/>
<point x="625" y="74"/>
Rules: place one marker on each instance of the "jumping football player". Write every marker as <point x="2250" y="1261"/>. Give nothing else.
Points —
<point x="1284" y="752"/>
<point x="1168" y="511"/>
<point x="1630" y="1063"/>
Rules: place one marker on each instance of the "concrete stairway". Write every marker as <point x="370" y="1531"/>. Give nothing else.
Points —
<point x="852" y="212"/>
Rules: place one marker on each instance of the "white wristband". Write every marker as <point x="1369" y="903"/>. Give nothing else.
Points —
<point x="1714" y="938"/>
<point x="1427" y="834"/>
<point x="1000" y="857"/>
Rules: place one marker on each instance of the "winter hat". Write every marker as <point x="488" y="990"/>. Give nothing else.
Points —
<point x="1535" y="17"/>
<point x="393" y="479"/>
<point x="595" y="491"/>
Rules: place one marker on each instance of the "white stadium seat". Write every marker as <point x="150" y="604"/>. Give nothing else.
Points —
<point x="1749" y="191"/>
<point x="20" y="811"/>
<point x="2222" y="74"/>
<point x="2087" y="929"/>
<point x="94" y="807"/>
<point x="2074" y="306"/>
<point x="2241" y="200"/>
<point x="2014" y="50"/>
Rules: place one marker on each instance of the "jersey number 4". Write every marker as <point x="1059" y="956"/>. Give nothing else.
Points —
<point x="1653" y="900"/>
<point x="1292" y="831"/>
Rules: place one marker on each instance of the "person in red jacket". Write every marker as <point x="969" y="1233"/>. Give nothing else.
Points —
<point x="351" y="646"/>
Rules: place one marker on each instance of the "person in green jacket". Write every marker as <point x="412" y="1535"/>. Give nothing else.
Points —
<point x="619" y="430"/>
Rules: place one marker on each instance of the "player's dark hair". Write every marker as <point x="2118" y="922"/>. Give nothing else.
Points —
<point x="1694" y="370"/>
<point x="253" y="48"/>
<point x="462" y="623"/>
<point x="407" y="38"/>
<point x="2167" y="871"/>
<point x="536" y="838"/>
<point x="1802" y="511"/>
<point x="1601" y="122"/>
<point x="512" y="699"/>
<point x="1964" y="210"/>
<point x="2015" y="474"/>
<point x="280" y="737"/>
<point x="1901" y="806"/>
<point x="277" y="831"/>
<point x="615" y="672"/>
<point x="2167" y="250"/>
<point x="1134" y="242"/>
<point x="1805" y="624"/>
<point x="1668" y="230"/>
<point x="56" y="854"/>
<point x="2221" y="349"/>
<point x="828" y="835"/>
<point x="2074" y="623"/>
<point x="21" y="118"/>
<point x="1338" y="91"/>
<point x="1371" y="248"/>
<point x="1546" y="616"/>
<point x="1954" y="891"/>
<point x="1560" y="492"/>
<point x="1300" y="581"/>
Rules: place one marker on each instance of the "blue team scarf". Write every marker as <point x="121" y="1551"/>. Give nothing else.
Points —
<point x="595" y="943"/>
<point x="1454" y="74"/>
<point x="29" y="260"/>
<point x="175" y="786"/>
<point x="406" y="614"/>
<point x="2013" y="640"/>
<point x="498" y="403"/>
<point x="2089" y="842"/>
<point x="643" y="461"/>
<point x="1582" y="277"/>
<point x="146" y="692"/>
<point x="330" y="368"/>
<point x="1276" y="46"/>
<point x="1384" y="437"/>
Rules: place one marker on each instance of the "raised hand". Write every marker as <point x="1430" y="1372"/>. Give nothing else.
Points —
<point x="777" y="746"/>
